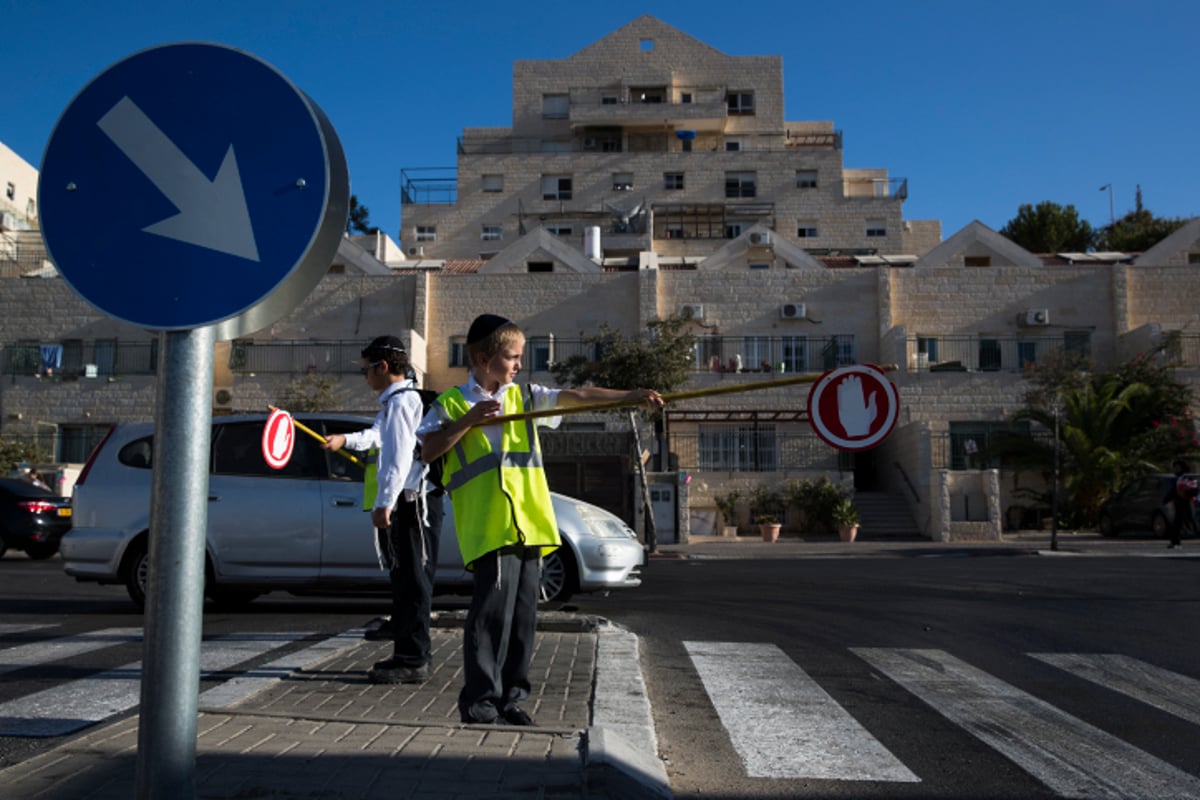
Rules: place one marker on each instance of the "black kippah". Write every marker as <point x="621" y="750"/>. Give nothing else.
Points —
<point x="384" y="344"/>
<point x="483" y="327"/>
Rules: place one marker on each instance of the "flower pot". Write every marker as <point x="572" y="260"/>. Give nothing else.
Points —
<point x="848" y="533"/>
<point x="769" y="531"/>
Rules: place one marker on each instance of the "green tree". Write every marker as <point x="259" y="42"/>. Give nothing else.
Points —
<point x="1112" y="427"/>
<point x="1050" y="228"/>
<point x="358" y="220"/>
<point x="1137" y="231"/>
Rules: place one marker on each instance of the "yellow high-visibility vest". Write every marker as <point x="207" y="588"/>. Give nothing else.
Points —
<point x="499" y="498"/>
<point x="371" y="479"/>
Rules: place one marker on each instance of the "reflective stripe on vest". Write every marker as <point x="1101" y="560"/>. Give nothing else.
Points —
<point x="371" y="479"/>
<point x="499" y="498"/>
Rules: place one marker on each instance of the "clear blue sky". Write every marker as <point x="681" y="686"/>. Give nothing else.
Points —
<point x="981" y="105"/>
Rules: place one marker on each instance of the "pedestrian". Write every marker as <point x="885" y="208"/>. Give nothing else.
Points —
<point x="502" y="510"/>
<point x="407" y="521"/>
<point x="1181" y="498"/>
<point x="35" y="478"/>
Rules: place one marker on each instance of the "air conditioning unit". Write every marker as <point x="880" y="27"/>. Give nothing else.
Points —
<point x="1036" y="317"/>
<point x="91" y="371"/>
<point x="691" y="310"/>
<point x="793" y="311"/>
<point x="223" y="397"/>
<point x="419" y="252"/>
<point x="760" y="239"/>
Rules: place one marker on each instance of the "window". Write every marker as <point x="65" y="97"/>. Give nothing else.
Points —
<point x="806" y="229"/>
<point x="794" y="352"/>
<point x="927" y="346"/>
<point x="541" y="353"/>
<point x="492" y="233"/>
<point x="740" y="103"/>
<point x="555" y="106"/>
<point x="685" y="97"/>
<point x="556" y="187"/>
<point x="539" y="266"/>
<point x="733" y="230"/>
<point x="876" y="227"/>
<point x="622" y="181"/>
<point x="673" y="181"/>
<point x="458" y="351"/>
<point x="561" y="230"/>
<point x="740" y="448"/>
<point x="740" y="184"/>
<point x="756" y="352"/>
<point x="646" y="45"/>
<point x="1026" y="354"/>
<point x="990" y="358"/>
<point x="647" y="94"/>
<point x="674" y="231"/>
<point x="1194" y="258"/>
<point x="237" y="450"/>
<point x="977" y="261"/>
<point x="1078" y="343"/>
<point x="427" y="233"/>
<point x="838" y="352"/>
<point x="733" y="145"/>
<point x="608" y="100"/>
<point x="76" y="442"/>
<point x="758" y="265"/>
<point x="10" y="191"/>
<point x="806" y="179"/>
<point x="493" y="183"/>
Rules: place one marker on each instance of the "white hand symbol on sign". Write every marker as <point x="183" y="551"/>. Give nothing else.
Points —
<point x="855" y="414"/>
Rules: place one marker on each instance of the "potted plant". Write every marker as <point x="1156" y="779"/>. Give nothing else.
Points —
<point x="727" y="506"/>
<point x="766" y="509"/>
<point x="846" y="519"/>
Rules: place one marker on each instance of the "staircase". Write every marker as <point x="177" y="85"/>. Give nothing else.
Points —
<point x="885" y="516"/>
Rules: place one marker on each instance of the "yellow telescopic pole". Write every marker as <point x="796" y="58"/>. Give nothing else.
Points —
<point x="673" y="397"/>
<point x="301" y="426"/>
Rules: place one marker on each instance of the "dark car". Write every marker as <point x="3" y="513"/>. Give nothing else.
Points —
<point x="31" y="518"/>
<point x="1138" y="506"/>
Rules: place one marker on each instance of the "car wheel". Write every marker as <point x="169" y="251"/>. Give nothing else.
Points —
<point x="559" y="577"/>
<point x="136" y="572"/>
<point x="1159" y="525"/>
<point x="40" y="551"/>
<point x="1107" y="528"/>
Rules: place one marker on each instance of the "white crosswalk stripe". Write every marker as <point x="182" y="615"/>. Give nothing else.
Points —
<point x="63" y="647"/>
<point x="1071" y="757"/>
<point x="19" y="627"/>
<point x="74" y="705"/>
<point x="782" y="724"/>
<point x="1165" y="690"/>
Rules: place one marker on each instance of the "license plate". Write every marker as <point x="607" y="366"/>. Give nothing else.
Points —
<point x="64" y="512"/>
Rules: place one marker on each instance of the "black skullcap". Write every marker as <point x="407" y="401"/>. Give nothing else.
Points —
<point x="483" y="327"/>
<point x="384" y="344"/>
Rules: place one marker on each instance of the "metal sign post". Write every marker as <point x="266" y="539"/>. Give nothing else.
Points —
<point x="193" y="190"/>
<point x="175" y="594"/>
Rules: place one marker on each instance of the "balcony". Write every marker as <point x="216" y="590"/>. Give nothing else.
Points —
<point x="868" y="188"/>
<point x="429" y="186"/>
<point x="705" y="110"/>
<point x="71" y="359"/>
<point x="989" y="353"/>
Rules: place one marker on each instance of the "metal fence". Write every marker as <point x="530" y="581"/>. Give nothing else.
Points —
<point x="990" y="353"/>
<point x="289" y="357"/>
<point x="753" y="448"/>
<point x="69" y="359"/>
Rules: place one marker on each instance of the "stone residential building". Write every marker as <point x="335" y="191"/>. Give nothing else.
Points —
<point x="961" y="320"/>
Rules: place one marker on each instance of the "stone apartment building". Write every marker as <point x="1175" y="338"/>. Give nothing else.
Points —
<point x="960" y="319"/>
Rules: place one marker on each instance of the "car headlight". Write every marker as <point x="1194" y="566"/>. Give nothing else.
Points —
<point x="600" y="523"/>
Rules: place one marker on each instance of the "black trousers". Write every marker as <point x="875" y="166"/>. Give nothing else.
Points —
<point x="410" y="551"/>
<point x="499" y="632"/>
<point x="1183" y="520"/>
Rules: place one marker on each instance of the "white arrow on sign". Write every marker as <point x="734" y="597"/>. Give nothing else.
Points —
<point x="212" y="214"/>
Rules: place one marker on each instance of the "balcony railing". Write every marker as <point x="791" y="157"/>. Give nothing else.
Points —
<point x="71" y="359"/>
<point x="714" y="353"/>
<point x="429" y="186"/>
<point x="338" y="357"/>
<point x="988" y="353"/>
<point x="725" y="448"/>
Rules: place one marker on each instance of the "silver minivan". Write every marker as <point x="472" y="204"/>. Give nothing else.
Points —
<point x="301" y="528"/>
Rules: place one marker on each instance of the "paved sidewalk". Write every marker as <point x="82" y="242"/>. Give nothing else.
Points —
<point x="324" y="731"/>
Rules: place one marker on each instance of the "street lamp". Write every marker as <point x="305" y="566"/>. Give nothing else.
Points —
<point x="1112" y="219"/>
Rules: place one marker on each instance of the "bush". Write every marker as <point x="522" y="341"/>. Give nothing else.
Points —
<point x="727" y="505"/>
<point x="817" y="499"/>
<point x="766" y="506"/>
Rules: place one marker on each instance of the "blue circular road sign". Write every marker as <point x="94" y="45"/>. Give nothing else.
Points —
<point x="190" y="185"/>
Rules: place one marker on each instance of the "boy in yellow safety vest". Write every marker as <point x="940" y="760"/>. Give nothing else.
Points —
<point x="407" y="527"/>
<point x="502" y="510"/>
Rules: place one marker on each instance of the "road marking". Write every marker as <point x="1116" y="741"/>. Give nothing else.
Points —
<point x="17" y="627"/>
<point x="782" y="724"/>
<point x="1071" y="757"/>
<point x="77" y="704"/>
<point x="253" y="681"/>
<point x="1165" y="690"/>
<point x="28" y="655"/>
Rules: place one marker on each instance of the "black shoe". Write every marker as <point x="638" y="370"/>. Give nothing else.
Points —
<point x="391" y="672"/>
<point x="469" y="720"/>
<point x="381" y="632"/>
<point x="515" y="715"/>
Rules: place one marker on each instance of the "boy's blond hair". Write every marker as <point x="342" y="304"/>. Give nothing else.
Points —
<point x="490" y="345"/>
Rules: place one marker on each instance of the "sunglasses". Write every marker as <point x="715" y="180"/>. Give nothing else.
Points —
<point x="364" y="370"/>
